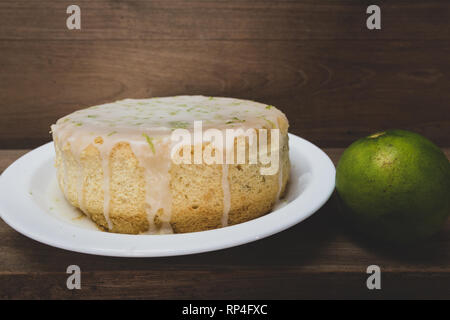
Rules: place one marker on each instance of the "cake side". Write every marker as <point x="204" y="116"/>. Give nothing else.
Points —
<point x="115" y="162"/>
<point x="196" y="190"/>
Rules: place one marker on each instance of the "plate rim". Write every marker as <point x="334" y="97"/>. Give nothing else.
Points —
<point x="326" y="178"/>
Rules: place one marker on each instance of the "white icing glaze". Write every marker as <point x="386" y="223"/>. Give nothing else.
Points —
<point x="66" y="176"/>
<point x="157" y="178"/>
<point x="146" y="125"/>
<point x="280" y="182"/>
<point x="104" y="155"/>
<point x="80" y="187"/>
<point x="226" y="195"/>
<point x="280" y="173"/>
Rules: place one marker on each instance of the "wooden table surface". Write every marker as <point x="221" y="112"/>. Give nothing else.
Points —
<point x="317" y="258"/>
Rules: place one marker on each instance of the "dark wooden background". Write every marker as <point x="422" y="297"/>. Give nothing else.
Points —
<point x="316" y="60"/>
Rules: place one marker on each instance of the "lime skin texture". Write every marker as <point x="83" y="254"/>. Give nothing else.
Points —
<point x="394" y="186"/>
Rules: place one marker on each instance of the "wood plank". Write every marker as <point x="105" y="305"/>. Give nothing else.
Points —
<point x="265" y="283"/>
<point x="333" y="92"/>
<point x="297" y="263"/>
<point x="224" y="20"/>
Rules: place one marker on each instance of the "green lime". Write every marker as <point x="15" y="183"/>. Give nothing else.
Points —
<point x="394" y="186"/>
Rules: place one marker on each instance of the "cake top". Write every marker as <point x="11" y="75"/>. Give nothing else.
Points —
<point x="144" y="123"/>
<point x="163" y="115"/>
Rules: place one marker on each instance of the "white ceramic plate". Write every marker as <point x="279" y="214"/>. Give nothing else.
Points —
<point x="32" y="204"/>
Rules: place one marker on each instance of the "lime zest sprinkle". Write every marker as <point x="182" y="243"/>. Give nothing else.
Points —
<point x="268" y="121"/>
<point x="271" y="123"/>
<point x="179" y="124"/>
<point x="111" y="133"/>
<point x="92" y="116"/>
<point x="269" y="107"/>
<point x="235" y="120"/>
<point x="150" y="142"/>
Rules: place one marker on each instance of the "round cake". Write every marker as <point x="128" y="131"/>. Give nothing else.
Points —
<point x="173" y="164"/>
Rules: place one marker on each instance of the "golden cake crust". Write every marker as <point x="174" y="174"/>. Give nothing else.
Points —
<point x="196" y="189"/>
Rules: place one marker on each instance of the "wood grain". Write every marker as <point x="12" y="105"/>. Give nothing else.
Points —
<point x="336" y="80"/>
<point x="317" y="258"/>
<point x="224" y="20"/>
<point x="332" y="92"/>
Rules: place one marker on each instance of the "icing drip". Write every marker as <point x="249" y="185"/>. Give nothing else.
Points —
<point x="280" y="181"/>
<point x="156" y="164"/>
<point x="80" y="186"/>
<point x="280" y="171"/>
<point x="65" y="176"/>
<point x="226" y="195"/>
<point x="106" y="186"/>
